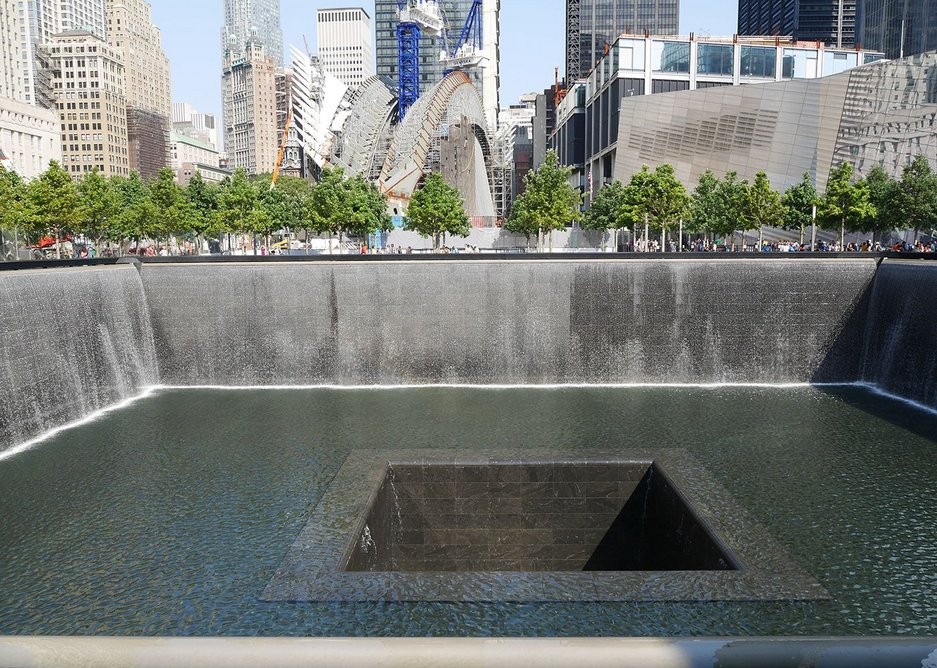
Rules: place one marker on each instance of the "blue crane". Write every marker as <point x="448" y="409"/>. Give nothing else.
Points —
<point x="468" y="51"/>
<point x="416" y="17"/>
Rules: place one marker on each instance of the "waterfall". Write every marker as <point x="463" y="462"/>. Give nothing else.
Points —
<point x="74" y="341"/>
<point x="900" y="352"/>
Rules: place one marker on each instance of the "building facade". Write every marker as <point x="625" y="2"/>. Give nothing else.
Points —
<point x="591" y="24"/>
<point x="343" y="39"/>
<point x="87" y="77"/>
<point x="208" y="173"/>
<point x="29" y="137"/>
<point x="250" y="109"/>
<point x="187" y="149"/>
<point x="148" y="88"/>
<point x="898" y="28"/>
<point x="880" y="114"/>
<point x="831" y="22"/>
<point x="253" y="21"/>
<point x="486" y="77"/>
<point x="512" y="152"/>
<point x="187" y="119"/>
<point x="12" y="86"/>
<point x="40" y="20"/>
<point x="637" y="67"/>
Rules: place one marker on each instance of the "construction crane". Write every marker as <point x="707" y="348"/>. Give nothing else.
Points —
<point x="416" y="18"/>
<point x="468" y="51"/>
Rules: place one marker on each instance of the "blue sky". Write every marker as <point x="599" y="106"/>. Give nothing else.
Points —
<point x="531" y="40"/>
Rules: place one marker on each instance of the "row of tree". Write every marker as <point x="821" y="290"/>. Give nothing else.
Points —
<point x="121" y="210"/>
<point x="876" y="204"/>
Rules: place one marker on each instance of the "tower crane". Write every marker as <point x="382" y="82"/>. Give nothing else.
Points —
<point x="468" y="51"/>
<point x="416" y="17"/>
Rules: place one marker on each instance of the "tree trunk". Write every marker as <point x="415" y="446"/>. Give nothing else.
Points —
<point x="663" y="238"/>
<point x="680" y="245"/>
<point x="801" y="235"/>
<point x="58" y="245"/>
<point x="341" y="249"/>
<point x="761" y="237"/>
<point x="551" y="240"/>
<point x="842" y="234"/>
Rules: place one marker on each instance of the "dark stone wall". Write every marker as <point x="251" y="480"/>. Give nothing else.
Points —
<point x="590" y="321"/>
<point x="73" y="341"/>
<point x="900" y="353"/>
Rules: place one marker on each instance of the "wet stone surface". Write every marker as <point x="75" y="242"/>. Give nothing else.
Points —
<point x="532" y="525"/>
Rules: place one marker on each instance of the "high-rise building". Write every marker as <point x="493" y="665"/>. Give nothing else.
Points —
<point x="87" y="77"/>
<point x="486" y="77"/>
<point x="191" y="122"/>
<point x="250" y="108"/>
<point x="29" y="135"/>
<point x="592" y="24"/>
<point x="898" y="28"/>
<point x="148" y="90"/>
<point x="11" y="73"/>
<point x="40" y="20"/>
<point x="253" y="20"/>
<point x="343" y="39"/>
<point x="831" y="22"/>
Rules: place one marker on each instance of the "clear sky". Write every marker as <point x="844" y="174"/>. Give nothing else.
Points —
<point x="531" y="40"/>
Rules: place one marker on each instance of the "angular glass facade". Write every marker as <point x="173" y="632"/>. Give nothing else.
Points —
<point x="880" y="25"/>
<point x="831" y="22"/>
<point x="883" y="113"/>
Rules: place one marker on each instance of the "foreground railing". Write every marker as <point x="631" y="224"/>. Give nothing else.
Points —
<point x="881" y="652"/>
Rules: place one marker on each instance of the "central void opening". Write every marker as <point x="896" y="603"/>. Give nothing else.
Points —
<point x="533" y="517"/>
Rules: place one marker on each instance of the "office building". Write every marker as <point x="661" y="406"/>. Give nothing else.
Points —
<point x="880" y="114"/>
<point x="256" y="21"/>
<point x="343" y="39"/>
<point x="12" y="86"/>
<point x="148" y="89"/>
<point x="830" y="22"/>
<point x="185" y="148"/>
<point x="591" y="24"/>
<point x="486" y="77"/>
<point x="87" y="78"/>
<point x="188" y="120"/>
<point x="637" y="68"/>
<point x="512" y="152"/>
<point x="250" y="109"/>
<point x="40" y="20"/>
<point x="897" y="28"/>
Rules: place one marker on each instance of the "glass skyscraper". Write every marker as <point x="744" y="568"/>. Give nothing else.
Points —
<point x="591" y="24"/>
<point x="257" y="19"/>
<point x="832" y="22"/>
<point x="897" y="27"/>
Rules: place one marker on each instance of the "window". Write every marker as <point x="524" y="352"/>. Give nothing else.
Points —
<point x="758" y="61"/>
<point x="799" y="64"/>
<point x="714" y="59"/>
<point x="670" y="56"/>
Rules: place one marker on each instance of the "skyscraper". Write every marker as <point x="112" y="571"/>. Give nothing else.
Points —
<point x="250" y="110"/>
<point x="881" y="24"/>
<point x="88" y="80"/>
<point x="591" y="24"/>
<point x="487" y="78"/>
<point x="148" y="90"/>
<point x="257" y="20"/>
<point x="832" y="22"/>
<point x="41" y="20"/>
<point x="343" y="39"/>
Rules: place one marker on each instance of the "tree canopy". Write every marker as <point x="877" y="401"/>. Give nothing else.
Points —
<point x="548" y="202"/>
<point x="435" y="210"/>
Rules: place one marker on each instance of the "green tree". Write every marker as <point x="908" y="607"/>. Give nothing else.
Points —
<point x="326" y="205"/>
<point x="882" y="194"/>
<point x="12" y="207"/>
<point x="915" y="200"/>
<point x="657" y="199"/>
<point x="798" y="202"/>
<point x="367" y="208"/>
<point x="762" y="206"/>
<point x="844" y="205"/>
<point x="548" y="202"/>
<point x="100" y="206"/>
<point x="203" y="204"/>
<point x="602" y="213"/>
<point x="717" y="205"/>
<point x="173" y="212"/>
<point x="237" y="204"/>
<point x="137" y="212"/>
<point x="703" y="203"/>
<point x="435" y="210"/>
<point x="53" y="204"/>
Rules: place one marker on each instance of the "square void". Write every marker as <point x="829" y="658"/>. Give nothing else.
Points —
<point x="533" y="517"/>
<point x="531" y="524"/>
